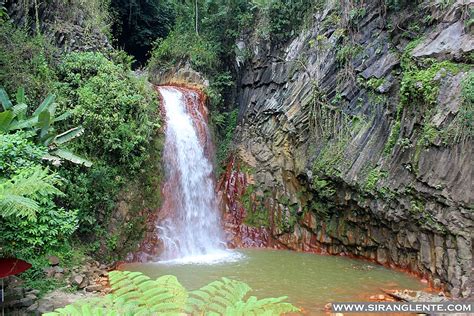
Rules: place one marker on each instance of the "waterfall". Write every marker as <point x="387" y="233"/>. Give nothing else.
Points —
<point x="191" y="229"/>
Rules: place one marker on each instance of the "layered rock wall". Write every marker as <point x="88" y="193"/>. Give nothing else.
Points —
<point x="352" y="139"/>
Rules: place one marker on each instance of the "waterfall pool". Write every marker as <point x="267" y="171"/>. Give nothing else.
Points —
<point x="310" y="281"/>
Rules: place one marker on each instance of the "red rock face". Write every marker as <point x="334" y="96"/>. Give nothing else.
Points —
<point x="231" y="188"/>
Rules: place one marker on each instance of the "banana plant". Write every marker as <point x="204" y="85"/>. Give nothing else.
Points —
<point x="42" y="120"/>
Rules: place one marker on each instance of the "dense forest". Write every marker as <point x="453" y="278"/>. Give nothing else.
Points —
<point x="82" y="134"/>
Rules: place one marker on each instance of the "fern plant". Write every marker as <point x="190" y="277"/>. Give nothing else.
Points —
<point x="42" y="120"/>
<point x="17" y="195"/>
<point x="136" y="294"/>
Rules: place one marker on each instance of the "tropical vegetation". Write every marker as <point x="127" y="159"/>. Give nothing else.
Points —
<point x="136" y="294"/>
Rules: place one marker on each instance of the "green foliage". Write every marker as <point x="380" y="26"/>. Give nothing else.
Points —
<point x="397" y="5"/>
<point x="139" y="23"/>
<point x="119" y="113"/>
<point x="323" y="187"/>
<point x="226" y="122"/>
<point x="114" y="108"/>
<point x="418" y="86"/>
<point x="30" y="221"/>
<point x="392" y="138"/>
<point x="373" y="178"/>
<point x="41" y="122"/>
<point x="200" y="51"/>
<point x="26" y="61"/>
<point x="331" y="157"/>
<point x="20" y="194"/>
<point x="255" y="214"/>
<point x="17" y="152"/>
<point x="429" y="134"/>
<point x="461" y="129"/>
<point x="207" y="48"/>
<point x="94" y="193"/>
<point x="346" y="52"/>
<point x="51" y="227"/>
<point x="282" y="19"/>
<point x="137" y="294"/>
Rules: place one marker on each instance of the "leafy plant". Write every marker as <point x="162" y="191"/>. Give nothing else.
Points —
<point x="461" y="129"/>
<point x="17" y="195"/>
<point x="114" y="107"/>
<point x="323" y="187"/>
<point x="136" y="294"/>
<point x="41" y="121"/>
<point x="26" y="60"/>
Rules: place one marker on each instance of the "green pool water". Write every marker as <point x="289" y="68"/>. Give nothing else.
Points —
<point x="310" y="281"/>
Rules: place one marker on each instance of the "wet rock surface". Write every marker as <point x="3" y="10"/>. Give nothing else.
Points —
<point x="313" y="135"/>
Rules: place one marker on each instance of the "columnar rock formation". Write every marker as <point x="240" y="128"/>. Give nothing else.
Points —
<point x="345" y="145"/>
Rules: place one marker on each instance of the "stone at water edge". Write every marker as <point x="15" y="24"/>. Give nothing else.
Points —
<point x="328" y="307"/>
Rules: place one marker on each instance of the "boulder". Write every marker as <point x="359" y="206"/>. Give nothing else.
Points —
<point x="93" y="288"/>
<point x="53" y="260"/>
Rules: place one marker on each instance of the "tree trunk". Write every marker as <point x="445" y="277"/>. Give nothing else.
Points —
<point x="197" y="16"/>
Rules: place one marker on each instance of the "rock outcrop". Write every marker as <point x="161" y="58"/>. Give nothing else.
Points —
<point x="71" y="26"/>
<point x="352" y="136"/>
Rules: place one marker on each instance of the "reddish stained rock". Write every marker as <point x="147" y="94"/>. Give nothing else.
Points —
<point x="231" y="188"/>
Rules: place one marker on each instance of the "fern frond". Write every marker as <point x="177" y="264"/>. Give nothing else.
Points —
<point x="18" y="194"/>
<point x="216" y="296"/>
<point x="267" y="306"/>
<point x="16" y="205"/>
<point x="136" y="294"/>
<point x="33" y="183"/>
<point x="165" y="294"/>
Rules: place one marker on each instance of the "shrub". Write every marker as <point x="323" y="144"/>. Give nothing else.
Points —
<point x="93" y="193"/>
<point x="31" y="223"/>
<point x="26" y="238"/>
<point x="179" y="45"/>
<point x="26" y="61"/>
<point x="17" y="152"/>
<point x="115" y="108"/>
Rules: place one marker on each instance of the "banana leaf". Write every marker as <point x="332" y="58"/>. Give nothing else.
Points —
<point x="70" y="156"/>
<point x="45" y="104"/>
<point x="68" y="135"/>
<point x="6" y="118"/>
<point x="44" y="120"/>
<point x="62" y="117"/>
<point x="6" y="103"/>
<point x="28" y="123"/>
<point x="20" y="96"/>
<point x="20" y="110"/>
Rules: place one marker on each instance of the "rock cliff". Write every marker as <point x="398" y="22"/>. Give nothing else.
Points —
<point x="355" y="138"/>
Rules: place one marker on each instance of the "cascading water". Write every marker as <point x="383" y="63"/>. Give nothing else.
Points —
<point x="191" y="231"/>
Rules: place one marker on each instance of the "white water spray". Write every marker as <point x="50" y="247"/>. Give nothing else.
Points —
<point x="192" y="232"/>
